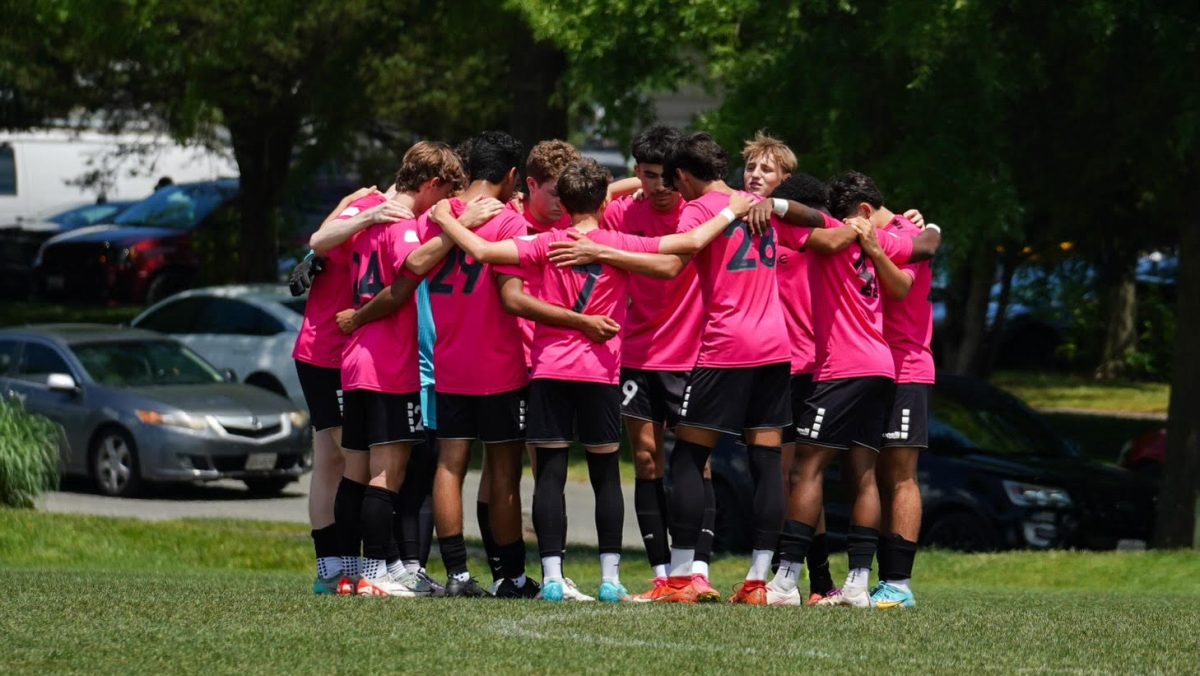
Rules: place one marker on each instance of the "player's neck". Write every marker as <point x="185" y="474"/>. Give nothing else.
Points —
<point x="882" y="217"/>
<point x="716" y="186"/>
<point x="481" y="188"/>
<point x="390" y="192"/>
<point x="408" y="199"/>
<point x="584" y="222"/>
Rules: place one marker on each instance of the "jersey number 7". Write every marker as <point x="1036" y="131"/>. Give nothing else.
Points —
<point x="592" y="271"/>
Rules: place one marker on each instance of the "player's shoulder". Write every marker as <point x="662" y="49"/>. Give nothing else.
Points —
<point x="830" y="221"/>
<point x="368" y="201"/>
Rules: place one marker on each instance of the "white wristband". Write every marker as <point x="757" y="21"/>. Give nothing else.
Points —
<point x="728" y="213"/>
<point x="779" y="206"/>
<point x="934" y="226"/>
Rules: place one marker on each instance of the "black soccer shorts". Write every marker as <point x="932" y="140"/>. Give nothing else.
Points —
<point x="653" y="396"/>
<point x="490" y="418"/>
<point x="322" y="389"/>
<point x="732" y="400"/>
<point x="908" y="424"/>
<point x="376" y="418"/>
<point x="847" y="412"/>
<point x="802" y="388"/>
<point x="567" y="410"/>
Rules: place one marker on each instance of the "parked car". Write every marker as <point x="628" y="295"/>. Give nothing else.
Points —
<point x="20" y="241"/>
<point x="145" y="255"/>
<point x="996" y="476"/>
<point x="1146" y="454"/>
<point x="247" y="329"/>
<point x="136" y="406"/>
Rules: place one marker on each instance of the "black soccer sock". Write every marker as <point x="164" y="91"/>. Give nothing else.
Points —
<point x="604" y="471"/>
<point x="347" y="515"/>
<point x="900" y="554"/>
<point x="795" y="540"/>
<point x="687" y="492"/>
<point x="425" y="531"/>
<point x="454" y="554"/>
<point x="704" y="542"/>
<point x="820" y="581"/>
<point x="861" y="544"/>
<point x="379" y="540"/>
<point x="563" y="549"/>
<point x="549" y="517"/>
<point x="418" y="484"/>
<point x="512" y="560"/>
<point x="767" y="472"/>
<point x="650" y="520"/>
<point x="325" y="542"/>
<point x="491" y="548"/>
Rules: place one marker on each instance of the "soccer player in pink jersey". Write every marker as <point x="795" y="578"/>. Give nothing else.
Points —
<point x="574" y="387"/>
<point x="908" y="330"/>
<point x="661" y="339"/>
<point x="845" y="415"/>
<point x="318" y="357"/>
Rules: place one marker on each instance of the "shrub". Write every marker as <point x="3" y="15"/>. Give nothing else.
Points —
<point x="28" y="455"/>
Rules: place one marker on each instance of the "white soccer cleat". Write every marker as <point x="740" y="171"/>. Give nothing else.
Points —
<point x="855" y="598"/>
<point x="572" y="593"/>
<point x="778" y="597"/>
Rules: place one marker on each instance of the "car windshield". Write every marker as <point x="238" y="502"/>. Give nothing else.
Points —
<point x="990" y="420"/>
<point x="179" y="207"/>
<point x="143" y="362"/>
<point x="295" y="304"/>
<point x="89" y="214"/>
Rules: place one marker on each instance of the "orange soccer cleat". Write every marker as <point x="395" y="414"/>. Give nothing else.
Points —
<point x="347" y="585"/>
<point x="750" y="593"/>
<point x="654" y="594"/>
<point x="678" y="590"/>
<point x="705" y="593"/>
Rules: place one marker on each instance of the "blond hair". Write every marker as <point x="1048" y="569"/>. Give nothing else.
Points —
<point x="769" y="146"/>
<point x="427" y="160"/>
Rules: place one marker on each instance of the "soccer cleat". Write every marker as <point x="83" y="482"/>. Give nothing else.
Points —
<point x="507" y="589"/>
<point x="750" y="593"/>
<point x="436" y="590"/>
<point x="679" y="589"/>
<point x="404" y="585"/>
<point x="814" y="598"/>
<point x="887" y="596"/>
<point x="326" y="586"/>
<point x="467" y="588"/>
<point x="855" y="598"/>
<point x="704" y="590"/>
<point x="612" y="592"/>
<point x="778" y="597"/>
<point x="660" y="586"/>
<point x="571" y="591"/>
<point x="553" y="591"/>
<point x="347" y="585"/>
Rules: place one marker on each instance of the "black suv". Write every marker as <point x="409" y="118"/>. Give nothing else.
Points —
<point x="996" y="476"/>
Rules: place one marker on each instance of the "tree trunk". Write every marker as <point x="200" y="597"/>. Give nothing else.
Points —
<point x="534" y="73"/>
<point x="1120" y="334"/>
<point x="1008" y="268"/>
<point x="966" y="311"/>
<point x="1179" y="500"/>
<point x="263" y="148"/>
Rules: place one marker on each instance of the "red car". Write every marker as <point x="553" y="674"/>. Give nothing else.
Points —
<point x="1145" y="453"/>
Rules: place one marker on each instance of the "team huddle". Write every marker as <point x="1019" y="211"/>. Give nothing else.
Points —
<point x="452" y="308"/>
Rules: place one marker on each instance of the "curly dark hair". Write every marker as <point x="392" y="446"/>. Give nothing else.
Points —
<point x="699" y="155"/>
<point x="848" y="190"/>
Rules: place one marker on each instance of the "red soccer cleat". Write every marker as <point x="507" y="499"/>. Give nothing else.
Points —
<point x="705" y="593"/>
<point x="750" y="593"/>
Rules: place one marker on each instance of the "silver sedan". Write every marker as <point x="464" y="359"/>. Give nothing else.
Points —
<point x="137" y="406"/>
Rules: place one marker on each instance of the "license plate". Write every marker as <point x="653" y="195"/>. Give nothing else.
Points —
<point x="260" y="461"/>
<point x="55" y="282"/>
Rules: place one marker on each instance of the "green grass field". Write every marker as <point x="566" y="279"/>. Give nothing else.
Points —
<point x="1076" y="392"/>
<point x="93" y="594"/>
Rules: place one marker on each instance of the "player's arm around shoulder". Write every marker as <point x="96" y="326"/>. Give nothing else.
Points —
<point x="693" y="240"/>
<point x="503" y="252"/>
<point x="631" y="253"/>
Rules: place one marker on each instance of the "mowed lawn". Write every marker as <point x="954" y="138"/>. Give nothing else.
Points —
<point x="110" y="595"/>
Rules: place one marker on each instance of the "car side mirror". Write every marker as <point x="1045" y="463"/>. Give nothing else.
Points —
<point x="62" y="382"/>
<point x="229" y="375"/>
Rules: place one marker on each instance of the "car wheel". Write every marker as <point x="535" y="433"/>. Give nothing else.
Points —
<point x="165" y="285"/>
<point x="268" y="485"/>
<point x="266" y="382"/>
<point x="732" y="530"/>
<point x="961" y="531"/>
<point x="115" y="464"/>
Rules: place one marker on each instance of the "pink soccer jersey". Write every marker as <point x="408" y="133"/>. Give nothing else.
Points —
<point x="908" y="324"/>
<point x="743" y="320"/>
<point x="382" y="356"/>
<point x="595" y="289"/>
<point x="791" y="272"/>
<point x="479" y="348"/>
<point x="320" y="342"/>
<point x="847" y="309"/>
<point x="533" y="283"/>
<point x="661" y="331"/>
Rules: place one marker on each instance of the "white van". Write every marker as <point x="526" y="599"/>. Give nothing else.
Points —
<point x="45" y="168"/>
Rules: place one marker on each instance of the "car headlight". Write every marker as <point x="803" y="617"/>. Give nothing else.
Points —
<point x="299" y="419"/>
<point x="179" y="419"/>
<point x="1033" y="495"/>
